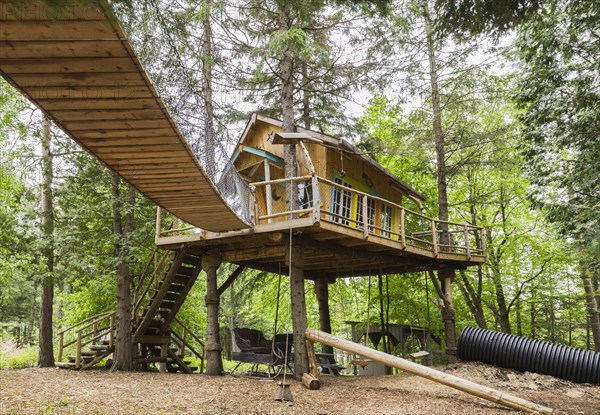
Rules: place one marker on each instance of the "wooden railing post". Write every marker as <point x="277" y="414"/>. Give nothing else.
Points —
<point x="158" y="224"/>
<point x="111" y="337"/>
<point x="78" y="351"/>
<point x="316" y="196"/>
<point x="434" y="238"/>
<point x="402" y="228"/>
<point x="268" y="194"/>
<point x="365" y="216"/>
<point x="483" y="241"/>
<point x="61" y="342"/>
<point x="467" y="245"/>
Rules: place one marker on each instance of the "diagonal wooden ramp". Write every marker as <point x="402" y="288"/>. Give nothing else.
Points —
<point x="77" y="65"/>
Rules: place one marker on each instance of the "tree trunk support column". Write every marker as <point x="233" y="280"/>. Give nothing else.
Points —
<point x="299" y="321"/>
<point x="449" y="315"/>
<point x="322" y="293"/>
<point x="214" y="363"/>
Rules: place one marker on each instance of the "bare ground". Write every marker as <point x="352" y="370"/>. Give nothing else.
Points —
<point x="98" y="392"/>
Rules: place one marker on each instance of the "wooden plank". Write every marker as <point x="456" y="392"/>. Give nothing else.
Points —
<point x="98" y="104"/>
<point x="116" y="124"/>
<point x="59" y="30"/>
<point x="141" y="150"/>
<point x="180" y="155"/>
<point x="78" y="79"/>
<point x="87" y="92"/>
<point x="114" y="115"/>
<point x="62" y="49"/>
<point x="35" y="11"/>
<point x="166" y="165"/>
<point x="127" y="133"/>
<point x="50" y="65"/>
<point x="113" y="142"/>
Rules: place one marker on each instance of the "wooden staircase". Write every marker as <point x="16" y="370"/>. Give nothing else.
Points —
<point x="160" y="338"/>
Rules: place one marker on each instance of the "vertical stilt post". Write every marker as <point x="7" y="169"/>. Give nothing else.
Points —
<point x="322" y="293"/>
<point x="299" y="321"/>
<point x="214" y="364"/>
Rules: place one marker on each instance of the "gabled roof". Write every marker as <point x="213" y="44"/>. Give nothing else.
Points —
<point x="340" y="143"/>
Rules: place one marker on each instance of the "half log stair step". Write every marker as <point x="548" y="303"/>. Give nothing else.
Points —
<point x="171" y="293"/>
<point x="89" y="358"/>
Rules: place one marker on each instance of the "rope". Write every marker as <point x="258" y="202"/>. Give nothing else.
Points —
<point x="276" y="310"/>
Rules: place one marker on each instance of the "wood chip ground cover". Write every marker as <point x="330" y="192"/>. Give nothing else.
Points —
<point x="99" y="392"/>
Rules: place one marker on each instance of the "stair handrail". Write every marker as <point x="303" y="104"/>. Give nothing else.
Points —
<point x="83" y="339"/>
<point x="140" y="299"/>
<point x="184" y="342"/>
<point x="143" y="275"/>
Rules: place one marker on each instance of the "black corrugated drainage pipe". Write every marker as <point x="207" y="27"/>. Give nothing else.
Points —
<point x="523" y="354"/>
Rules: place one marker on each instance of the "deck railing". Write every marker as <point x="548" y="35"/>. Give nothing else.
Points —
<point x="93" y="330"/>
<point x="324" y="200"/>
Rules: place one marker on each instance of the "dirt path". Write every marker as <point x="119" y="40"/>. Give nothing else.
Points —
<point x="54" y="391"/>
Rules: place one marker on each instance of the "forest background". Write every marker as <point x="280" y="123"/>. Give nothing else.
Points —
<point x="513" y="89"/>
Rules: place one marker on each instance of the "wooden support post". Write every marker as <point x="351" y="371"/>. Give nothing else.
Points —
<point x="164" y="351"/>
<point x="311" y="380"/>
<point x="402" y="228"/>
<point x="268" y="194"/>
<point x="61" y="342"/>
<point x="78" y="351"/>
<point x="365" y="216"/>
<point x="322" y="294"/>
<point x="464" y="385"/>
<point x="316" y="199"/>
<point x="230" y="279"/>
<point x="467" y="245"/>
<point x="158" y="224"/>
<point x="483" y="242"/>
<point x="111" y="337"/>
<point x="214" y="364"/>
<point x="299" y="320"/>
<point x="434" y="238"/>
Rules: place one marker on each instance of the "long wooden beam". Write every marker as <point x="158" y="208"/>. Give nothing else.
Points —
<point x="230" y="279"/>
<point x="455" y="382"/>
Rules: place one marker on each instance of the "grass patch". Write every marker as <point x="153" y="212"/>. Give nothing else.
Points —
<point x="13" y="357"/>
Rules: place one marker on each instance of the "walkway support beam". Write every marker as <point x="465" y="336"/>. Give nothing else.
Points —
<point x="464" y="385"/>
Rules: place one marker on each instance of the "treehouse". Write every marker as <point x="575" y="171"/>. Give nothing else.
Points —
<point x="341" y="215"/>
<point x="351" y="216"/>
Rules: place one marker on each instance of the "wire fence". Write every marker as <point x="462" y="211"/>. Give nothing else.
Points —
<point x="157" y="31"/>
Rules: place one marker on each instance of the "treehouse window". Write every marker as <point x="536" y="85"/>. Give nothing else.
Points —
<point x="386" y="220"/>
<point x="342" y="202"/>
<point x="370" y="213"/>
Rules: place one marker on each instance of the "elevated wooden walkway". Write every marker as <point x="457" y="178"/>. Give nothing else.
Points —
<point x="76" y="64"/>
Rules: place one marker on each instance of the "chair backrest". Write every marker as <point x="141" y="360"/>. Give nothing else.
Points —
<point x="246" y="339"/>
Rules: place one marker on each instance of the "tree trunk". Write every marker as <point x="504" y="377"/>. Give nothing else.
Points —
<point x="305" y="99"/>
<point x="519" y="319"/>
<point x="532" y="315"/>
<point x="207" y="91"/>
<point x="382" y="315"/>
<point x="472" y="297"/>
<point x="296" y="257"/>
<point x="592" y="308"/>
<point x="46" y="349"/>
<point x="299" y="320"/>
<point x="322" y="293"/>
<point x="214" y="362"/>
<point x="28" y="335"/>
<point x="123" y="355"/>
<point x="447" y="275"/>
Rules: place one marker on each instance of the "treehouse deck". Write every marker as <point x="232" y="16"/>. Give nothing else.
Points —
<point x="335" y="245"/>
<point x="76" y="64"/>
